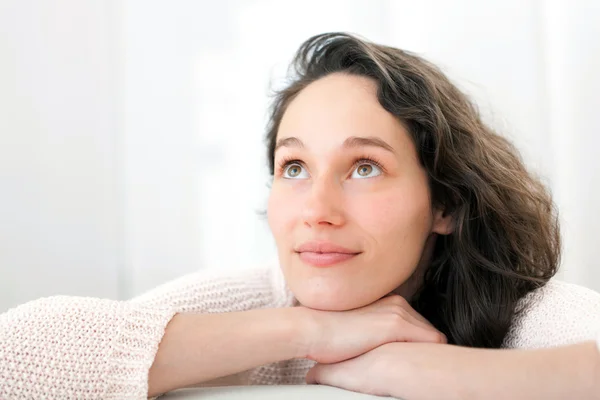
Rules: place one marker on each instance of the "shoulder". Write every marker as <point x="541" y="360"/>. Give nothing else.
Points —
<point x="558" y="313"/>
<point x="222" y="290"/>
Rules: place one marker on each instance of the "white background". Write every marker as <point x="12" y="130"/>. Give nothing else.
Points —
<point x="131" y="132"/>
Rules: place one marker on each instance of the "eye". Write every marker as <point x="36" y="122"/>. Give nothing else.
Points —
<point x="366" y="170"/>
<point x="294" y="171"/>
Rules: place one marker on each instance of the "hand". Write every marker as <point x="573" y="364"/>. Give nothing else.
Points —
<point x="335" y="336"/>
<point x="404" y="370"/>
<point x="365" y="374"/>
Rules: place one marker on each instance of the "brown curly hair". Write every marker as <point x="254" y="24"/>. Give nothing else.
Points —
<point x="506" y="239"/>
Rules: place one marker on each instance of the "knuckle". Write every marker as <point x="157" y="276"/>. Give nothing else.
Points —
<point x="438" y="337"/>
<point x="442" y="339"/>
<point x="397" y="318"/>
<point x="398" y="301"/>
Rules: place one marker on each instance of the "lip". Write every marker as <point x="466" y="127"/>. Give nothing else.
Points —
<point x="324" y="254"/>
<point x="323" y="247"/>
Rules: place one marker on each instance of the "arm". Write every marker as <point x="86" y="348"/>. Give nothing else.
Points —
<point x="568" y="372"/>
<point x="73" y="347"/>
<point x="551" y="355"/>
<point x="200" y="347"/>
<point x="103" y="349"/>
<point x="424" y="371"/>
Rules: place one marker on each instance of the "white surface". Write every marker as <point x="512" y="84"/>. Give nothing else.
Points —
<point x="131" y="131"/>
<point x="287" y="392"/>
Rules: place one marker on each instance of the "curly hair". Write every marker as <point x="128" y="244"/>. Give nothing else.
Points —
<point x="506" y="239"/>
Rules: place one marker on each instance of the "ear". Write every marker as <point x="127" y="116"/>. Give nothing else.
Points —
<point x="443" y="223"/>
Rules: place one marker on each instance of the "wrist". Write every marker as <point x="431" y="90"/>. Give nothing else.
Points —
<point x="300" y="330"/>
<point x="426" y="370"/>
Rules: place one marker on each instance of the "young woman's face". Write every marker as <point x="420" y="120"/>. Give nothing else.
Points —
<point x="350" y="205"/>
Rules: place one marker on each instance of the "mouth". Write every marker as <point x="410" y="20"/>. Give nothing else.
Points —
<point x="325" y="259"/>
<point x="324" y="254"/>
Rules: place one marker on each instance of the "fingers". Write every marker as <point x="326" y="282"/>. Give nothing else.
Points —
<point x="400" y="302"/>
<point x="312" y="377"/>
<point x="402" y="329"/>
<point x="410" y="325"/>
<point x="337" y="375"/>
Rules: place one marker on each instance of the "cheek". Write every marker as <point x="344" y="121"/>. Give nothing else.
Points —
<point x="280" y="212"/>
<point x="398" y="217"/>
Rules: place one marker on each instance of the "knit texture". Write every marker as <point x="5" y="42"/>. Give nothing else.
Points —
<point x="84" y="348"/>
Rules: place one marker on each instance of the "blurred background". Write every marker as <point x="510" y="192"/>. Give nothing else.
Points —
<point x="131" y="132"/>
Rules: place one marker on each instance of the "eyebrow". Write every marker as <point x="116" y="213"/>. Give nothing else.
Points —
<point x="349" y="143"/>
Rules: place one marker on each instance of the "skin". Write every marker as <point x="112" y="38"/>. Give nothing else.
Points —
<point x="329" y="194"/>
<point x="424" y="371"/>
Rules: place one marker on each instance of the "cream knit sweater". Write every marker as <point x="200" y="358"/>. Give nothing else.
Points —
<point x="85" y="348"/>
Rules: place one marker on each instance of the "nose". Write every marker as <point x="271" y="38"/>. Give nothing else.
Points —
<point x="324" y="204"/>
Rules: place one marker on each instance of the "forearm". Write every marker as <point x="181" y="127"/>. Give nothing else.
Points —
<point x="568" y="372"/>
<point x="201" y="347"/>
<point x="423" y="371"/>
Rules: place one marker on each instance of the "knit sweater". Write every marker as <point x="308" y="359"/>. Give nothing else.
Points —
<point x="85" y="348"/>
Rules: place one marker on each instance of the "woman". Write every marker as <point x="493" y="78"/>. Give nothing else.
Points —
<point x="412" y="243"/>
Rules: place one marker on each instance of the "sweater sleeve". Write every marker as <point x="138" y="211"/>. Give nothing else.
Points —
<point x="85" y="348"/>
<point x="557" y="314"/>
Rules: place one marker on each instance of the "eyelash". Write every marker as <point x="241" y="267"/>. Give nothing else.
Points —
<point x="287" y="161"/>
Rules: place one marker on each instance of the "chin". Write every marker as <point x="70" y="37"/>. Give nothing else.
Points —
<point x="331" y="301"/>
<point x="330" y="289"/>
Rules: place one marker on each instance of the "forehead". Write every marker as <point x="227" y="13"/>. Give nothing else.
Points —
<point x="336" y="107"/>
